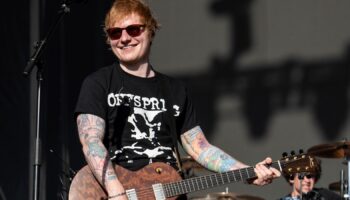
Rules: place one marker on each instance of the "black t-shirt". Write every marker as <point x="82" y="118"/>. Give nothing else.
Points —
<point x="316" y="194"/>
<point x="137" y="112"/>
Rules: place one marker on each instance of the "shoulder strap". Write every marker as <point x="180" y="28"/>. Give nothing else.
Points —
<point x="165" y="88"/>
<point x="115" y="74"/>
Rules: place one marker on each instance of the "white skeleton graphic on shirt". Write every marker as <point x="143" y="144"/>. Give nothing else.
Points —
<point x="144" y="122"/>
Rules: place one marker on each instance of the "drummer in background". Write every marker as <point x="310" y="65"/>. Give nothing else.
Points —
<point x="307" y="189"/>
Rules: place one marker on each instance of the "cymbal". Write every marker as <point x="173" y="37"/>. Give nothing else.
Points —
<point x="334" y="186"/>
<point x="227" y="196"/>
<point x="217" y="196"/>
<point x="223" y="196"/>
<point x="248" y="197"/>
<point x="332" y="150"/>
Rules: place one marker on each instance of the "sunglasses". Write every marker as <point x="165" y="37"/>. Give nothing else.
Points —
<point x="133" y="30"/>
<point x="307" y="175"/>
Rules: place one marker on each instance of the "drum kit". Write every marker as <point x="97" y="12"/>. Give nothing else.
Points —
<point x="226" y="196"/>
<point x="338" y="150"/>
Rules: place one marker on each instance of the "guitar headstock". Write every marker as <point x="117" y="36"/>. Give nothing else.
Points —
<point x="299" y="163"/>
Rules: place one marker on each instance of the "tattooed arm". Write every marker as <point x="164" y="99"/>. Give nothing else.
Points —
<point x="91" y="130"/>
<point x="215" y="159"/>
<point x="211" y="157"/>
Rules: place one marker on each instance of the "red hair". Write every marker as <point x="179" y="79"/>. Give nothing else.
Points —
<point x="122" y="8"/>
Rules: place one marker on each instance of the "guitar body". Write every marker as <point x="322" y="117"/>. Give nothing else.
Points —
<point x="86" y="187"/>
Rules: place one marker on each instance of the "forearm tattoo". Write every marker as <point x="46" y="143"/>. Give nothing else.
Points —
<point x="206" y="154"/>
<point x="217" y="160"/>
<point x="91" y="131"/>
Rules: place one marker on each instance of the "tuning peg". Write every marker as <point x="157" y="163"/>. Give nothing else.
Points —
<point x="301" y="151"/>
<point x="284" y="154"/>
<point x="292" y="153"/>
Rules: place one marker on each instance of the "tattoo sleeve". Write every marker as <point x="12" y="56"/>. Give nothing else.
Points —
<point x="211" y="157"/>
<point x="91" y="130"/>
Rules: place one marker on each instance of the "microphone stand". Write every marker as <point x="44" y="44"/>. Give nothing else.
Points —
<point x="347" y="190"/>
<point x="35" y="60"/>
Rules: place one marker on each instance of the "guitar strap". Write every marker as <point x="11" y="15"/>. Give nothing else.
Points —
<point x="110" y="124"/>
<point x="165" y="90"/>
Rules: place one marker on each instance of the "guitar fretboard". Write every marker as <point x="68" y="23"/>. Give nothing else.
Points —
<point x="211" y="180"/>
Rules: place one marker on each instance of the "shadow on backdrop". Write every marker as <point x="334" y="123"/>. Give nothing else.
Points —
<point x="264" y="89"/>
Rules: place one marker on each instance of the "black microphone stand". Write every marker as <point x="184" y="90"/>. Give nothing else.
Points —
<point x="35" y="60"/>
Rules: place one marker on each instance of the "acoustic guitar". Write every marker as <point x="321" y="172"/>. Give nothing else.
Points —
<point x="159" y="181"/>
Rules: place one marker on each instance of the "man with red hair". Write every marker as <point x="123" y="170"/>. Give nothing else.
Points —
<point x="130" y="115"/>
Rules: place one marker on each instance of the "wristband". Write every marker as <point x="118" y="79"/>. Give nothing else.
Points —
<point x="117" y="195"/>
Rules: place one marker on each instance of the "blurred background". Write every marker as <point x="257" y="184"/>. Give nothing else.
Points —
<point x="267" y="77"/>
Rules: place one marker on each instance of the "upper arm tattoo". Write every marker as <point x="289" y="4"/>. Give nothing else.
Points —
<point x="91" y="130"/>
<point x="90" y="126"/>
<point x="194" y="140"/>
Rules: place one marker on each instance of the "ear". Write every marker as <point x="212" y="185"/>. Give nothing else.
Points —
<point x="151" y="37"/>
<point x="151" y="40"/>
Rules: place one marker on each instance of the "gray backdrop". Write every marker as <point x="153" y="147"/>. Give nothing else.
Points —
<point x="291" y="54"/>
<point x="267" y="77"/>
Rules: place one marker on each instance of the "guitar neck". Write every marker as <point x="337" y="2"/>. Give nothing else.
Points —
<point x="211" y="180"/>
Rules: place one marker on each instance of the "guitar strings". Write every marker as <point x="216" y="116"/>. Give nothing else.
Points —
<point x="144" y="192"/>
<point x="173" y="188"/>
<point x="147" y="191"/>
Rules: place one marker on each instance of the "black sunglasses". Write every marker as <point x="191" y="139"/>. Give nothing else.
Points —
<point x="307" y="175"/>
<point x="133" y="30"/>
